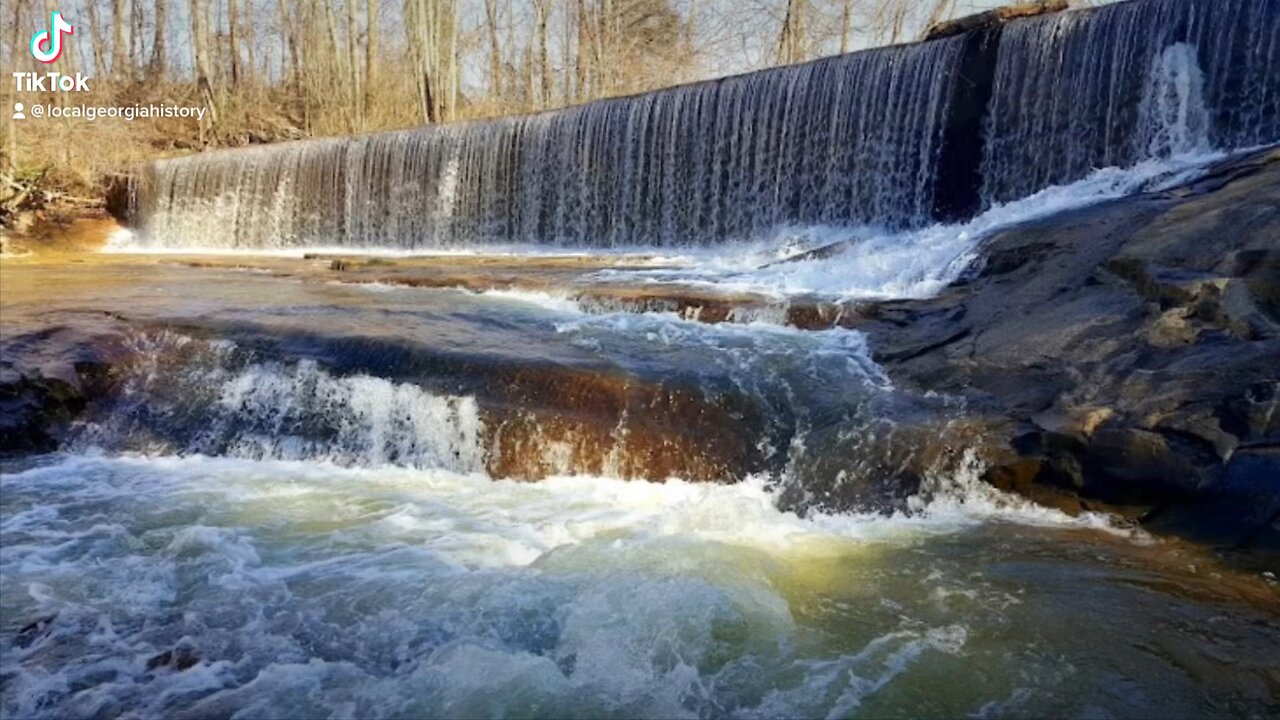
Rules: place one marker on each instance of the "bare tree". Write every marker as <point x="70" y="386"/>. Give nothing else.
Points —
<point x="233" y="41"/>
<point x="370" y="54"/>
<point x="159" y="62"/>
<point x="419" y="30"/>
<point x="541" y="16"/>
<point x="846" y="9"/>
<point x="119" y="51"/>
<point x="791" y="40"/>
<point x="495" y="48"/>
<point x="137" y="37"/>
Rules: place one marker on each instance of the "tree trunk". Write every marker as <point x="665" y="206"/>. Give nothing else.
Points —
<point x="249" y="40"/>
<point x="370" y="54"/>
<point x="119" y="51"/>
<point x="452" y="58"/>
<point x="354" y="93"/>
<point x="845" y="12"/>
<point x="899" y="19"/>
<point x="159" y="61"/>
<point x="495" y="51"/>
<point x="136" y="37"/>
<point x="198" y="51"/>
<point x="580" y="92"/>
<point x="690" y="24"/>
<point x="939" y="13"/>
<point x="233" y="38"/>
<point x="95" y="36"/>
<point x="418" y="25"/>
<point x="566" y="56"/>
<point x="540" y="13"/>
<point x="209" y="24"/>
<point x="600" y="34"/>
<point x="791" y="41"/>
<point x="200" y="61"/>
<point x="289" y="48"/>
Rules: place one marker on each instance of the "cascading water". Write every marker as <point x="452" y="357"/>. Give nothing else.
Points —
<point x="1078" y="91"/>
<point x="183" y="395"/>
<point x="847" y="138"/>
<point x="845" y="141"/>
<point x="1173" y="119"/>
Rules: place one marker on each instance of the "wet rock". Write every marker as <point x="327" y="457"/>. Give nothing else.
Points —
<point x="1127" y="464"/>
<point x="31" y="408"/>
<point x="1134" y="344"/>
<point x="1240" y="509"/>
<point x="59" y="232"/>
<point x="34" y="630"/>
<point x="878" y="465"/>
<point x="180" y="658"/>
<point x="957" y="186"/>
<point x="47" y="380"/>
<point x="543" y="422"/>
<point x="159" y="392"/>
<point x="1025" y="476"/>
<point x="117" y="191"/>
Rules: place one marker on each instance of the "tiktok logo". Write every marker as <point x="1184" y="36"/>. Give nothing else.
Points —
<point x="46" y="45"/>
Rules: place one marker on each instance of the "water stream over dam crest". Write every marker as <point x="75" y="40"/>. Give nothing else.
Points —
<point x="898" y="137"/>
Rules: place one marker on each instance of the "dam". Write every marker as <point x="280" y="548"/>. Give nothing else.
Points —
<point x="897" y="138"/>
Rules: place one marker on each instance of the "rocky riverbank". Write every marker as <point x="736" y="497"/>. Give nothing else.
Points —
<point x="1134" y="345"/>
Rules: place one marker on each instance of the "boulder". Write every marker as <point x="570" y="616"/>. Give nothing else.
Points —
<point x="1134" y="345"/>
<point x="48" y="378"/>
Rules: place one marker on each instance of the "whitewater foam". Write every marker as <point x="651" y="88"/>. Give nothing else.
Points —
<point x="861" y="263"/>
<point x="182" y="395"/>
<point x="386" y="592"/>
<point x="483" y="522"/>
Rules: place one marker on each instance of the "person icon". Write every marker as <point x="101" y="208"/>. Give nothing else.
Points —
<point x="17" y="111"/>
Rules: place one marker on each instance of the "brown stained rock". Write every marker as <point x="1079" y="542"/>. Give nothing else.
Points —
<point x="1090" y="418"/>
<point x="565" y="277"/>
<point x="118" y="189"/>
<point x="1022" y="476"/>
<point x="60" y="234"/>
<point x="550" y="423"/>
<point x="819" y="315"/>
<point x="541" y="418"/>
<point x="475" y="281"/>
<point x="689" y="303"/>
<point x="1171" y="329"/>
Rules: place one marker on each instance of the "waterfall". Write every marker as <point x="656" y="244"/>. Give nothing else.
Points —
<point x="897" y="137"/>
<point x="851" y="138"/>
<point x="1078" y="91"/>
<point x="1173" y="119"/>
